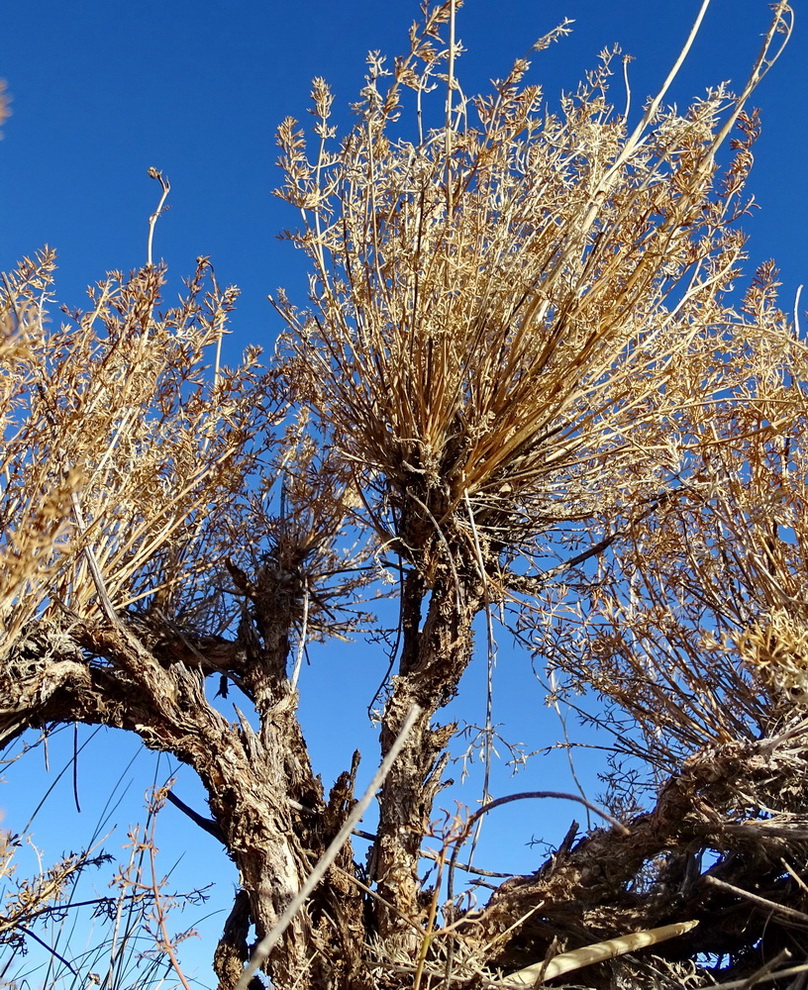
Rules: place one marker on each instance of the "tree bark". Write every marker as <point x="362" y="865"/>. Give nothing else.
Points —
<point x="270" y="812"/>
<point x="266" y="803"/>
<point x="433" y="659"/>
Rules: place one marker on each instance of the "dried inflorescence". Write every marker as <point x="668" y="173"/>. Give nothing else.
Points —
<point x="118" y="437"/>
<point x="508" y="313"/>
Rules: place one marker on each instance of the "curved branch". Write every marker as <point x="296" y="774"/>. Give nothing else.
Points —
<point x="619" y="827"/>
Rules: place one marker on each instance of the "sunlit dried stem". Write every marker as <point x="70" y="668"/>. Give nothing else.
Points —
<point x="165" y="186"/>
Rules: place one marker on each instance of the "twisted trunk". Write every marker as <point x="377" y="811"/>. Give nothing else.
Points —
<point x="267" y="806"/>
<point x="433" y="659"/>
<point x="269" y="811"/>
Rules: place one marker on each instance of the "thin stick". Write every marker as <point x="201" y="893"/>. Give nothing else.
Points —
<point x="450" y="82"/>
<point x="53" y="952"/>
<point x="756" y="899"/>
<point x="160" y="916"/>
<point x="301" y="646"/>
<point x="268" y="943"/>
<point x="634" y="139"/>
<point x="654" y="105"/>
<point x="75" y="762"/>
<point x="562" y="718"/>
<point x="92" y="563"/>
<point x="797" y="310"/>
<point x="626" y="60"/>
<point x="491" y="657"/>
<point x="166" y="186"/>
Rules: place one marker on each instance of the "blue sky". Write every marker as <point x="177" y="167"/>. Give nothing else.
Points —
<point x="198" y="88"/>
<point x="102" y="92"/>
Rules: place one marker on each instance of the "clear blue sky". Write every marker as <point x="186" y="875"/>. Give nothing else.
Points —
<point x="101" y="92"/>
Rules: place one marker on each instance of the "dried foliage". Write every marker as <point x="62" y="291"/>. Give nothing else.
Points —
<point x="503" y="321"/>
<point x="521" y="378"/>
<point x="115" y="437"/>
<point x="130" y="938"/>
<point x="27" y="900"/>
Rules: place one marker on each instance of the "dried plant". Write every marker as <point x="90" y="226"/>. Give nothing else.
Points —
<point x="51" y="933"/>
<point x="521" y="379"/>
<point x="29" y="900"/>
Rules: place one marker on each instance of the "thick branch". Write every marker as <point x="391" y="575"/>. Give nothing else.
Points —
<point x="592" y="891"/>
<point x="255" y="781"/>
<point x="433" y="661"/>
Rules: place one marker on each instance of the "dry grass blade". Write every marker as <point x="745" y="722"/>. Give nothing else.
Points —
<point x="569" y="962"/>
